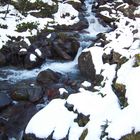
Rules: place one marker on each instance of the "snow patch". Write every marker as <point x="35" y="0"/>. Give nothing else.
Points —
<point x="33" y="57"/>
<point x="64" y="16"/>
<point x="39" y="53"/>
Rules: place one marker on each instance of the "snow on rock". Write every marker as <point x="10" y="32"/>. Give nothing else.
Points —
<point x="62" y="90"/>
<point x="62" y="118"/>
<point x="39" y="53"/>
<point x="64" y="16"/>
<point x="86" y="84"/>
<point x="33" y="57"/>
<point x="96" y="53"/>
<point x="23" y="50"/>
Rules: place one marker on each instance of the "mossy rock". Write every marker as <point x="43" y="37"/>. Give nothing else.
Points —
<point x="132" y="136"/>
<point x="137" y="60"/>
<point x="120" y="90"/>
<point x="84" y="134"/>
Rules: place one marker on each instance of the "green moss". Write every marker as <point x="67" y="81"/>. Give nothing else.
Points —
<point x="84" y="134"/>
<point x="25" y="26"/>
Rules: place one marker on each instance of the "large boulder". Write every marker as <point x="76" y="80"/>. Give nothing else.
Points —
<point x="56" y="45"/>
<point x="65" y="45"/>
<point x="86" y="65"/>
<point x="14" y="119"/>
<point x="10" y="53"/>
<point x="27" y="93"/>
<point x="48" y="77"/>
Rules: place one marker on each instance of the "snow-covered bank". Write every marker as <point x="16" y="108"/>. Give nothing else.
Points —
<point x="113" y="106"/>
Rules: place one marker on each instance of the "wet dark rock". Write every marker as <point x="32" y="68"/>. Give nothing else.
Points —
<point x="59" y="51"/>
<point x="114" y="58"/>
<point x="5" y="100"/>
<point x="3" y="136"/>
<point x="48" y="77"/>
<point x="101" y="40"/>
<point x="60" y="46"/>
<point x="52" y="93"/>
<point x="15" y="119"/>
<point x="27" y="93"/>
<point x="69" y="106"/>
<point x="19" y="94"/>
<point x="86" y="65"/>
<point x="2" y="59"/>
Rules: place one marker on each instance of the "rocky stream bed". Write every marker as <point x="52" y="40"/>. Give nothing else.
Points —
<point x="54" y="49"/>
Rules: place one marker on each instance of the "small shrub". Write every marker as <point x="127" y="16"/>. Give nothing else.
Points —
<point x="3" y="26"/>
<point x="25" y="26"/>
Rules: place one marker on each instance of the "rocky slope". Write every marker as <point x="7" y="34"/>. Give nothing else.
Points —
<point x="104" y="104"/>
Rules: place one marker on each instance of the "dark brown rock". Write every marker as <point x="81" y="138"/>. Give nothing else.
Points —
<point x="86" y="65"/>
<point x="48" y="77"/>
<point x="16" y="118"/>
<point x="52" y="93"/>
<point x="27" y="93"/>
